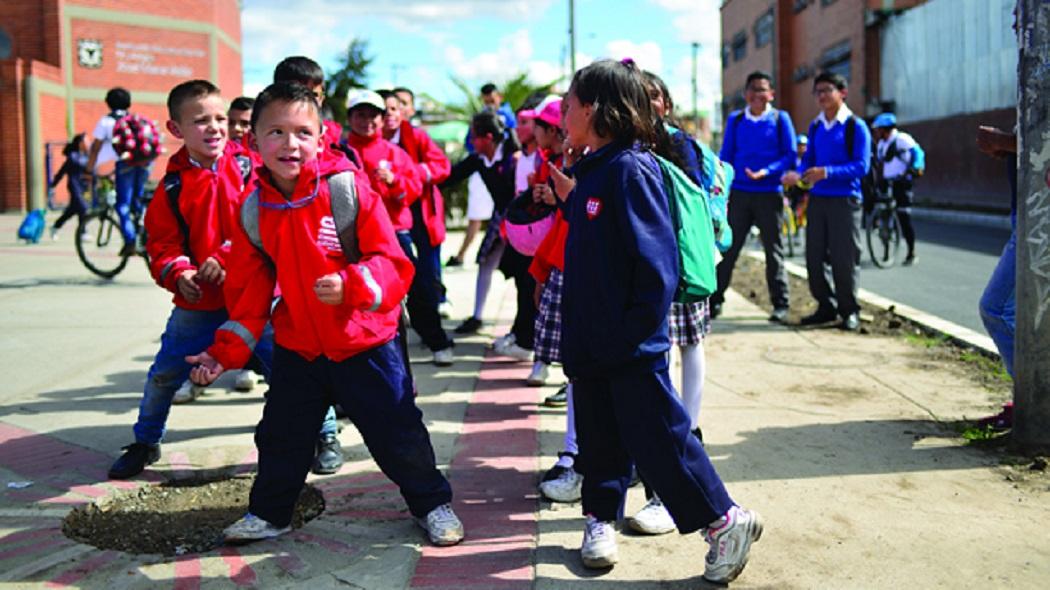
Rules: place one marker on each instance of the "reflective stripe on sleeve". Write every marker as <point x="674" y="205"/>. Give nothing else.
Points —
<point x="372" y="285"/>
<point x="167" y="267"/>
<point x="243" y="333"/>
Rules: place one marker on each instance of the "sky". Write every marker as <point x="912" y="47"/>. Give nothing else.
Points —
<point x="423" y="43"/>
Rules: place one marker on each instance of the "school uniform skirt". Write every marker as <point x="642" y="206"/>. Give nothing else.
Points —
<point x="689" y="322"/>
<point x="547" y="346"/>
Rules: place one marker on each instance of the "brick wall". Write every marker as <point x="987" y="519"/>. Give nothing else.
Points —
<point x="12" y="133"/>
<point x="739" y="16"/>
<point x="22" y="19"/>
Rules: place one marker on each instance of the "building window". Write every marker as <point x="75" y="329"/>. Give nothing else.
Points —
<point x="764" y="29"/>
<point x="827" y="2"/>
<point x="799" y="6"/>
<point x="725" y="56"/>
<point x="836" y="59"/>
<point x="5" y="44"/>
<point x="739" y="46"/>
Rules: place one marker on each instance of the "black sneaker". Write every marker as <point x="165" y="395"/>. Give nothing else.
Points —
<point x="820" y="317"/>
<point x="910" y="259"/>
<point x="329" y="455"/>
<point x="716" y="310"/>
<point x="558" y="399"/>
<point x="699" y="434"/>
<point x="470" y="325"/>
<point x="779" y="315"/>
<point x="453" y="262"/>
<point x="555" y="472"/>
<point x="851" y="323"/>
<point x="135" y="458"/>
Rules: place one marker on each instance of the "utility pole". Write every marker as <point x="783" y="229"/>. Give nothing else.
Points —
<point x="572" y="38"/>
<point x="1031" y="429"/>
<point x="696" y="109"/>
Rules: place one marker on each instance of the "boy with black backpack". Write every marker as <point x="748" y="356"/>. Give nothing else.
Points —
<point x="188" y="224"/>
<point x="837" y="160"/>
<point x="314" y="228"/>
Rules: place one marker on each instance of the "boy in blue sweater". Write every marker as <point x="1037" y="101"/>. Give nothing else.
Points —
<point x="838" y="157"/>
<point x="760" y="144"/>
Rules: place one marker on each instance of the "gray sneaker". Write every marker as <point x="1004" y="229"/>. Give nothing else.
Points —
<point x="599" y="544"/>
<point x="442" y="526"/>
<point x="731" y="544"/>
<point x="251" y="528"/>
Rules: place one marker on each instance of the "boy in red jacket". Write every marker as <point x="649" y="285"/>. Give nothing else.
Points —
<point x="335" y="326"/>
<point x="188" y="223"/>
<point x="400" y="182"/>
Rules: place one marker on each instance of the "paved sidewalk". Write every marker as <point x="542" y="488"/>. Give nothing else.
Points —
<point x="837" y="439"/>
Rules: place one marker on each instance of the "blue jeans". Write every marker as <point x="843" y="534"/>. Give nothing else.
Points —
<point x="130" y="182"/>
<point x="998" y="305"/>
<point x="187" y="332"/>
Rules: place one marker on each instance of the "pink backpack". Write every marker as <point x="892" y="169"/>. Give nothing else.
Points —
<point x="527" y="223"/>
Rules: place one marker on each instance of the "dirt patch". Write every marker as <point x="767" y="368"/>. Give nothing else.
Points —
<point x="173" y="518"/>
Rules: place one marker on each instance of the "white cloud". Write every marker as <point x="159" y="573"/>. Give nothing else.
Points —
<point x="696" y="20"/>
<point x="647" y="55"/>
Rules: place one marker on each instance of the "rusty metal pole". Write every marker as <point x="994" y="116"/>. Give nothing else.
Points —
<point x="1031" y="430"/>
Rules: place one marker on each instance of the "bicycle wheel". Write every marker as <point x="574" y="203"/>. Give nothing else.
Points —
<point x="99" y="243"/>
<point x="884" y="237"/>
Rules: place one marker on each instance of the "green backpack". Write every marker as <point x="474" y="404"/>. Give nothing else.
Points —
<point x="691" y="216"/>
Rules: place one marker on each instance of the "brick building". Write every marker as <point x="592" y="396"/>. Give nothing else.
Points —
<point x="58" y="58"/>
<point x="898" y="55"/>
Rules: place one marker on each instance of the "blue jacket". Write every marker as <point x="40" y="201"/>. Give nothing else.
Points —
<point x="621" y="265"/>
<point x="827" y="148"/>
<point x="768" y="143"/>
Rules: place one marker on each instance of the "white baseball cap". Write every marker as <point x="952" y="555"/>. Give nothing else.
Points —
<point x="363" y="96"/>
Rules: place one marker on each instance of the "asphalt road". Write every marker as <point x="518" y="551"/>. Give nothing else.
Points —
<point x="955" y="261"/>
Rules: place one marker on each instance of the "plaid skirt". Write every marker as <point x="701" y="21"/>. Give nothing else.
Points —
<point x="689" y="322"/>
<point x="547" y="345"/>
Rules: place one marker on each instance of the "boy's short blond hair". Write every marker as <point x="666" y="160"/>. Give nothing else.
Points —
<point x="191" y="90"/>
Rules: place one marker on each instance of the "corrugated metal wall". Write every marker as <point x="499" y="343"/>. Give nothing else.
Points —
<point x="950" y="57"/>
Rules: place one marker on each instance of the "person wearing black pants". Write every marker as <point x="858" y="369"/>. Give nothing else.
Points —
<point x="73" y="169"/>
<point x="899" y="159"/>
<point x="422" y="306"/>
<point x="833" y="240"/>
<point x="766" y="212"/>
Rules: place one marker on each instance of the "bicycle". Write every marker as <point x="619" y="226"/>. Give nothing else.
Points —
<point x="99" y="240"/>
<point x="883" y="229"/>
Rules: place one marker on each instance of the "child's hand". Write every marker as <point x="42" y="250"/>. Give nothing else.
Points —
<point x="790" y="178"/>
<point x="187" y="286"/>
<point x="542" y="192"/>
<point x="211" y="272"/>
<point x="385" y="175"/>
<point x="563" y="185"/>
<point x="206" y="369"/>
<point x="329" y="289"/>
<point x="756" y="175"/>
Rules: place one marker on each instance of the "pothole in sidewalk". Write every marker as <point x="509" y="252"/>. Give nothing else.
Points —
<point x="173" y="518"/>
<point x="824" y="358"/>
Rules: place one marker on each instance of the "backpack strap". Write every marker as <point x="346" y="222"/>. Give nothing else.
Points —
<point x="172" y="188"/>
<point x="250" y="223"/>
<point x="244" y="162"/>
<point x="345" y="206"/>
<point x="851" y="136"/>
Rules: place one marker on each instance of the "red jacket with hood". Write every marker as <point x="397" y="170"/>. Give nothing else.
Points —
<point x="408" y="184"/>
<point x="209" y="201"/>
<point x="433" y="168"/>
<point x="302" y="243"/>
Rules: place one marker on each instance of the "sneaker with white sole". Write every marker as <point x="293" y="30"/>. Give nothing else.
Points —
<point x="186" y="393"/>
<point x="245" y="380"/>
<point x="515" y="352"/>
<point x="566" y="487"/>
<point x="538" y="376"/>
<point x="444" y="357"/>
<point x="652" y="519"/>
<point x="251" y="528"/>
<point x="442" y="526"/>
<point x="599" y="544"/>
<point x="730" y="544"/>
<point x="503" y="342"/>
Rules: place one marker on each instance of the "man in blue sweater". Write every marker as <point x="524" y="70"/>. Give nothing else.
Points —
<point x="838" y="157"/>
<point x="760" y="144"/>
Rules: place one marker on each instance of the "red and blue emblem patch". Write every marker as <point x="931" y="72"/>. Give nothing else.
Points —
<point x="594" y="207"/>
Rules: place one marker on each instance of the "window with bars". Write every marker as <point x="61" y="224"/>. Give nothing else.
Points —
<point x="764" y="29"/>
<point x="739" y="47"/>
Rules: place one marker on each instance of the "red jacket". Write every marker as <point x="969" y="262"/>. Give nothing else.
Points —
<point x="408" y="184"/>
<point x="209" y="201"/>
<point x="303" y="247"/>
<point x="551" y="253"/>
<point x="434" y="168"/>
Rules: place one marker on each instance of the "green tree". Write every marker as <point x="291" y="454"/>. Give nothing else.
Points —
<point x="352" y="73"/>
<point x="515" y="91"/>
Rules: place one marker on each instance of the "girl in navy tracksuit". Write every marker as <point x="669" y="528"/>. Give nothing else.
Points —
<point x="621" y="272"/>
<point x="73" y="169"/>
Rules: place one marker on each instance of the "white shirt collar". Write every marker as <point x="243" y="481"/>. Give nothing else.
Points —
<point x="396" y="138"/>
<point x="496" y="156"/>
<point x="840" y="117"/>
<point x="762" y="115"/>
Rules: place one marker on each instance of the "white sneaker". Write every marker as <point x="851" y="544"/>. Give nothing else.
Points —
<point x="499" y="344"/>
<point x="567" y="487"/>
<point x="444" y="357"/>
<point x="445" y="310"/>
<point x="599" y="544"/>
<point x="515" y="352"/>
<point x="245" y="380"/>
<point x="731" y="544"/>
<point x="251" y="528"/>
<point x="442" y="526"/>
<point x="538" y="376"/>
<point x="652" y="519"/>
<point x="187" y="392"/>
<point x="54" y="234"/>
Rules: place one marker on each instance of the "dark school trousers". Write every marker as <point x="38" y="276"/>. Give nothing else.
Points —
<point x="833" y="242"/>
<point x="423" y="300"/>
<point x="375" y="392"/>
<point x="637" y="416"/>
<point x="766" y="212"/>
<point x="428" y="257"/>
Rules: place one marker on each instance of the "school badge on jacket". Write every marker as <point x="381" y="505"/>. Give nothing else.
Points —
<point x="594" y="207"/>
